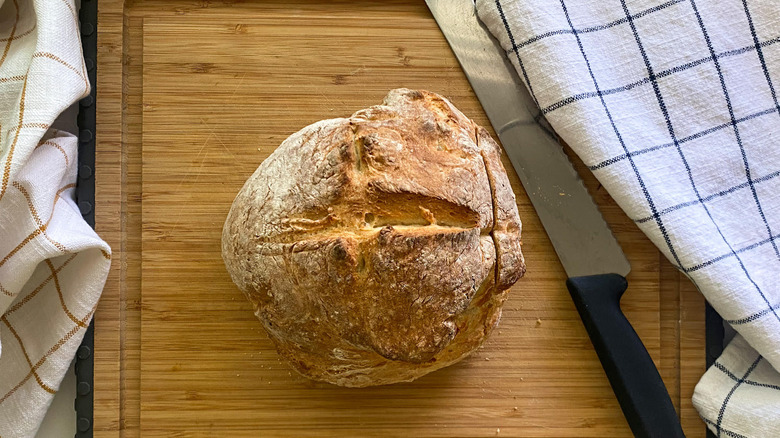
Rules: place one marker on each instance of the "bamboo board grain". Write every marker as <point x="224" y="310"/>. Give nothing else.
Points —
<point x="208" y="91"/>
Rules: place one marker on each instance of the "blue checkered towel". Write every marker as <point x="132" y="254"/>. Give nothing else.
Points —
<point x="674" y="106"/>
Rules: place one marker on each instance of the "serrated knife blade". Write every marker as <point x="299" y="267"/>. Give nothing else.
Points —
<point x="581" y="238"/>
<point x="589" y="253"/>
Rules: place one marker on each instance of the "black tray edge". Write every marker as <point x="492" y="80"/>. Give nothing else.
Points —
<point x="85" y="197"/>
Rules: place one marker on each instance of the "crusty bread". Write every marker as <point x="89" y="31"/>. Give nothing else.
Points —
<point x="378" y="248"/>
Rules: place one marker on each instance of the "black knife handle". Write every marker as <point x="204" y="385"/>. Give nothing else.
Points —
<point x="631" y="372"/>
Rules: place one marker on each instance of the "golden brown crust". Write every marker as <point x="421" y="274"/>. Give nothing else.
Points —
<point x="377" y="248"/>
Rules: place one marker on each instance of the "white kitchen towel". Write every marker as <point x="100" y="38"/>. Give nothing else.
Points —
<point x="52" y="264"/>
<point x="674" y="107"/>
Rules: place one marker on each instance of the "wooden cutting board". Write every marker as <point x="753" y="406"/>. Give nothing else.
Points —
<point x="193" y="96"/>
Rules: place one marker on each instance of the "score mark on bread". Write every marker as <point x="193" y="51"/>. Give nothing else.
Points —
<point x="380" y="247"/>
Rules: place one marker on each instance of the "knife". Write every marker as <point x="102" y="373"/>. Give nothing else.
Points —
<point x="589" y="253"/>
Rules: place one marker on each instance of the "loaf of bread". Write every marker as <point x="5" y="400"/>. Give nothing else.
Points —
<point x="380" y="247"/>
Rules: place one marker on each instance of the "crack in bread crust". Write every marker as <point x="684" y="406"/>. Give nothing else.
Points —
<point x="379" y="247"/>
<point x="492" y="199"/>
